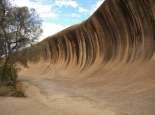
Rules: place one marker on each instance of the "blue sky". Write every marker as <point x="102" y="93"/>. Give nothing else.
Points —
<point x="59" y="14"/>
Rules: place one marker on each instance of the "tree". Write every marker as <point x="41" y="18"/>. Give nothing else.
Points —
<point x="19" y="27"/>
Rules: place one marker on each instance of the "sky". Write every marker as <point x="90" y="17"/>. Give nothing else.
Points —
<point x="60" y="14"/>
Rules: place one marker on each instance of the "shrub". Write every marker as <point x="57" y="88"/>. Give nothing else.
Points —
<point x="8" y="74"/>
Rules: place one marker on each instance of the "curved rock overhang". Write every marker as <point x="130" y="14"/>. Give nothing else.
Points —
<point x="120" y="31"/>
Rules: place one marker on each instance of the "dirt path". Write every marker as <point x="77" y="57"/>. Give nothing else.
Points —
<point x="126" y="91"/>
<point x="48" y="98"/>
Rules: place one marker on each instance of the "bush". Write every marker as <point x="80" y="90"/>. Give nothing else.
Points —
<point x="8" y="82"/>
<point x="8" y="74"/>
<point x="11" y="91"/>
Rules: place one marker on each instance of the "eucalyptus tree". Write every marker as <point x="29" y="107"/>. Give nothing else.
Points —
<point x="19" y="27"/>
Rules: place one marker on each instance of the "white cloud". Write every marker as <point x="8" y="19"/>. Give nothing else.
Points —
<point x="99" y="3"/>
<point x="43" y="10"/>
<point x="21" y="2"/>
<point x="75" y="15"/>
<point x="66" y="3"/>
<point x="96" y="6"/>
<point x="82" y="10"/>
<point x="51" y="28"/>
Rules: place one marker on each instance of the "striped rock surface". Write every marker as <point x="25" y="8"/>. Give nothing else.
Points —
<point x="119" y="31"/>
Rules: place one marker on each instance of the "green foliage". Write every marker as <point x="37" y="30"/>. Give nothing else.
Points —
<point x="8" y="74"/>
<point x="19" y="27"/>
<point x="31" y="54"/>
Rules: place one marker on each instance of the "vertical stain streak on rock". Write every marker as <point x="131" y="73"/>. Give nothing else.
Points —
<point x="119" y="31"/>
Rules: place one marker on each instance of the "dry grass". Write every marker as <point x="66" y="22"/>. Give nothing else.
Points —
<point x="11" y="91"/>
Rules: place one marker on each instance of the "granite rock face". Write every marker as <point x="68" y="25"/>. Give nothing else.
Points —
<point x="120" y="30"/>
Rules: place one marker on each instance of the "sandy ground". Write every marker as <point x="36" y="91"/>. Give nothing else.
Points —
<point x="127" y="90"/>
